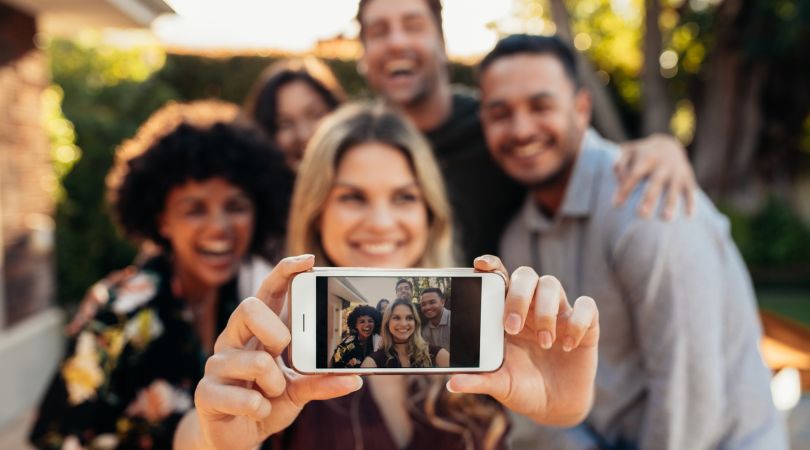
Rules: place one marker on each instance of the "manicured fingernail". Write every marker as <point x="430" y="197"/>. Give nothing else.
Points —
<point x="568" y="344"/>
<point x="512" y="324"/>
<point x="359" y="383"/>
<point x="303" y="257"/>
<point x="449" y="388"/>
<point x="545" y="340"/>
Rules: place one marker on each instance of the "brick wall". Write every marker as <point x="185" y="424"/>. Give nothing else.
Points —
<point x="26" y="176"/>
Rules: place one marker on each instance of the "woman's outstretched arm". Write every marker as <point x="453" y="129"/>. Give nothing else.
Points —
<point x="247" y="392"/>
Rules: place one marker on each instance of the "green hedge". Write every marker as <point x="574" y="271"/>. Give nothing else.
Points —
<point x="105" y="97"/>
<point x="774" y="242"/>
<point x="107" y="94"/>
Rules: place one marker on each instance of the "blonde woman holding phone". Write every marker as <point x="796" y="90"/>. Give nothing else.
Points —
<point x="369" y="194"/>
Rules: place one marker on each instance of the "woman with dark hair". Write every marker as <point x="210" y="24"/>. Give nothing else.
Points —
<point x="381" y="305"/>
<point x="290" y="99"/>
<point x="363" y="338"/>
<point x="402" y="341"/>
<point x="208" y="193"/>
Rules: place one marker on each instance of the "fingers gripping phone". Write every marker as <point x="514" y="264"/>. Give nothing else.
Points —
<point x="389" y="321"/>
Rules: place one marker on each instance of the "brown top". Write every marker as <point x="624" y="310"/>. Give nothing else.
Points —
<point x="354" y="422"/>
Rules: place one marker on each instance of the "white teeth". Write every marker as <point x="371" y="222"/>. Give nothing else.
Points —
<point x="378" y="249"/>
<point x="399" y="65"/>
<point x="216" y="246"/>
<point x="528" y="150"/>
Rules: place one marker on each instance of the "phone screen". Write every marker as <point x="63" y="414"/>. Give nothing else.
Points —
<point x="397" y="322"/>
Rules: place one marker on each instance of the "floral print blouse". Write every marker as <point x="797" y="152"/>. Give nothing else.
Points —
<point x="130" y="374"/>
<point x="351" y="351"/>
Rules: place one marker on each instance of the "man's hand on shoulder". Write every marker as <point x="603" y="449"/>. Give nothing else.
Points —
<point x="663" y="162"/>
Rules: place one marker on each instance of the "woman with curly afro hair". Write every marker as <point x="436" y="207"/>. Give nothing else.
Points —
<point x="363" y="339"/>
<point x="209" y="193"/>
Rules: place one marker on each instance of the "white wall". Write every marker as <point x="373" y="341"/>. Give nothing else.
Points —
<point x="30" y="352"/>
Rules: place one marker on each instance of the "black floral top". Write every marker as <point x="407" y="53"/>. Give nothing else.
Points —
<point x="352" y="351"/>
<point x="130" y="374"/>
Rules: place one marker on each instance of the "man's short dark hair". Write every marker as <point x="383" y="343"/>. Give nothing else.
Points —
<point x="517" y="44"/>
<point x="435" y="290"/>
<point x="435" y="7"/>
<point x="403" y="280"/>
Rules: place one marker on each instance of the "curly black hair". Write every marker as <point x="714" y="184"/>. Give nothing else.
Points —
<point x="196" y="141"/>
<point x="364" y="310"/>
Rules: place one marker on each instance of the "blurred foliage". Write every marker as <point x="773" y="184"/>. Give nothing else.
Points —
<point x="105" y="94"/>
<point x="773" y="238"/>
<point x="231" y="78"/>
<point x="611" y="33"/>
<point x="805" y="138"/>
<point x="101" y="94"/>
<point x="422" y="283"/>
<point x="61" y="137"/>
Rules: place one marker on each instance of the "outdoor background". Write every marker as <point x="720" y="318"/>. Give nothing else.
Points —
<point x="729" y="78"/>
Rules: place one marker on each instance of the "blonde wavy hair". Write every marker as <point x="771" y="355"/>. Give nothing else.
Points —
<point x="478" y="419"/>
<point x="417" y="347"/>
<point x="350" y="126"/>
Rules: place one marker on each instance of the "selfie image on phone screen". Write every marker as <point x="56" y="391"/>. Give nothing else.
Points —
<point x="397" y="322"/>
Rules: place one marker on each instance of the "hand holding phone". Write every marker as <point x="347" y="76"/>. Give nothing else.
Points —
<point x="247" y="392"/>
<point x="389" y="321"/>
<point x="551" y="350"/>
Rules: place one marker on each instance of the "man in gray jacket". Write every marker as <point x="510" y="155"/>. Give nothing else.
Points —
<point x="679" y="366"/>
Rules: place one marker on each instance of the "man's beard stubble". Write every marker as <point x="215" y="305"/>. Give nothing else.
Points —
<point x="422" y="92"/>
<point x="561" y="176"/>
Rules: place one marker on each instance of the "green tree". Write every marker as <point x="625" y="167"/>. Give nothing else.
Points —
<point x="729" y="77"/>
<point x="106" y="94"/>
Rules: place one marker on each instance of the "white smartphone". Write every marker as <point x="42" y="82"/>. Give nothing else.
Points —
<point x="393" y="321"/>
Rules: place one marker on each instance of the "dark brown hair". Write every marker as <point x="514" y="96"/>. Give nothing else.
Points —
<point x="435" y="7"/>
<point x="261" y="105"/>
